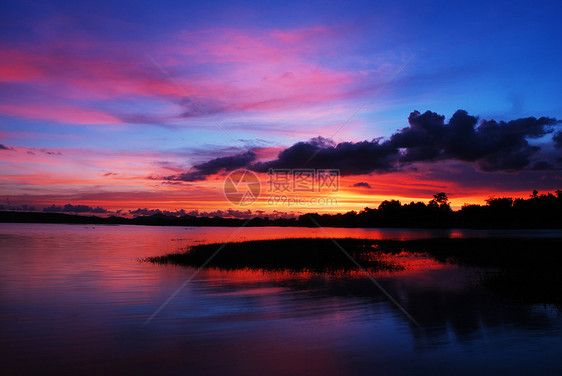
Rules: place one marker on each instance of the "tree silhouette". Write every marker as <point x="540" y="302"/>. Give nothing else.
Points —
<point x="500" y="203"/>
<point x="440" y="200"/>
<point x="535" y="194"/>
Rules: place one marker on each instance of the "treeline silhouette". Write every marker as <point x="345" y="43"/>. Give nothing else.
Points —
<point x="536" y="211"/>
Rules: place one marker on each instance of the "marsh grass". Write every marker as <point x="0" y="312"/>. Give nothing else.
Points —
<point x="298" y="254"/>
<point x="527" y="269"/>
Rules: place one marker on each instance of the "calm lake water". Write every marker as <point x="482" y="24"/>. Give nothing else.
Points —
<point x="75" y="299"/>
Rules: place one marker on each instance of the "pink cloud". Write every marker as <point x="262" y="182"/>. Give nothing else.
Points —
<point x="223" y="70"/>
<point x="82" y="71"/>
<point x="15" y="67"/>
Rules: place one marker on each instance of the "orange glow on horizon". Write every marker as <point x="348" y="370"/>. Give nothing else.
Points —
<point x="128" y="181"/>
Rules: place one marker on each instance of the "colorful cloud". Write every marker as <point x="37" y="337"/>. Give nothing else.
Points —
<point x="126" y="108"/>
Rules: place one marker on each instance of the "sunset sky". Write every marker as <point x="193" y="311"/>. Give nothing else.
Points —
<point x="151" y="105"/>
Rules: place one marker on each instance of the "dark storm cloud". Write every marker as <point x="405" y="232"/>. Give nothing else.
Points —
<point x="69" y="208"/>
<point x="490" y="145"/>
<point x="50" y="152"/>
<point x="23" y="207"/>
<point x="201" y="171"/>
<point x="362" y="184"/>
<point x="543" y="166"/>
<point x="44" y="151"/>
<point x="493" y="146"/>
<point x="466" y="180"/>
<point x="147" y="212"/>
<point x="4" y="147"/>
<point x="350" y="158"/>
<point x="557" y="138"/>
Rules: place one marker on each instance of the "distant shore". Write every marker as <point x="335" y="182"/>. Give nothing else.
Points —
<point x="448" y="220"/>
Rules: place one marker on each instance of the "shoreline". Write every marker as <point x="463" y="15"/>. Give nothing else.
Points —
<point x="190" y="221"/>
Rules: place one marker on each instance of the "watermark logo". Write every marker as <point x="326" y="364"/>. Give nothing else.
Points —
<point x="284" y="186"/>
<point x="303" y="180"/>
<point x="242" y="187"/>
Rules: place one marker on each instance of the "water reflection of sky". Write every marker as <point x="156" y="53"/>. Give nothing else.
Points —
<point x="74" y="299"/>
